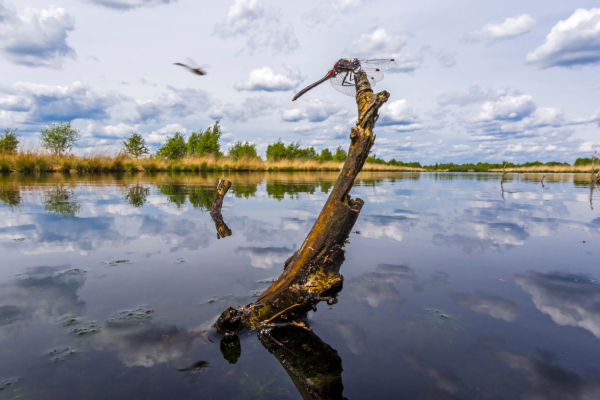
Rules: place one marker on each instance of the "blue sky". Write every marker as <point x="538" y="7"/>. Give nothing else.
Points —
<point x="478" y="80"/>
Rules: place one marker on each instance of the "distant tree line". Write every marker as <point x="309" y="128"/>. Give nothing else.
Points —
<point x="59" y="137"/>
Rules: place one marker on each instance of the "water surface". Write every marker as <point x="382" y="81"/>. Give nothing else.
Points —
<point x="453" y="288"/>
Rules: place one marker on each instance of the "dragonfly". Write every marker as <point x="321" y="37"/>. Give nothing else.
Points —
<point x="342" y="75"/>
<point x="193" y="67"/>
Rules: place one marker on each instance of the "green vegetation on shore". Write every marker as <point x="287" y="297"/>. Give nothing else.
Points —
<point x="202" y="152"/>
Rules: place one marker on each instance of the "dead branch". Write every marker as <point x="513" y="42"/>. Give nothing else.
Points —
<point x="542" y="181"/>
<point x="594" y="177"/>
<point x="311" y="274"/>
<point x="223" y="230"/>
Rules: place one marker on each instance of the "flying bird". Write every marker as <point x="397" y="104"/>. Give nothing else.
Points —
<point x="193" y="67"/>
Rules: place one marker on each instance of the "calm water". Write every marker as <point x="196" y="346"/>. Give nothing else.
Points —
<point x="108" y="286"/>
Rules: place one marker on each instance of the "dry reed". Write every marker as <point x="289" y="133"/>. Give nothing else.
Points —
<point x="35" y="161"/>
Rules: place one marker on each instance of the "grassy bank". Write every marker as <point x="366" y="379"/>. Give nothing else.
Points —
<point x="550" y="169"/>
<point x="28" y="162"/>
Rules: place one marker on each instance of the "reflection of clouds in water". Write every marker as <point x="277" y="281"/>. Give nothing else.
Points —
<point x="266" y="257"/>
<point x="177" y="232"/>
<point x="373" y="288"/>
<point x="446" y="381"/>
<point x="255" y="230"/>
<point x="45" y="292"/>
<point x="392" y="226"/>
<point x="470" y="245"/>
<point x="49" y="233"/>
<point x="569" y="299"/>
<point x="502" y="233"/>
<point x="548" y="380"/>
<point x="146" y="344"/>
<point x="353" y="334"/>
<point x="494" y="306"/>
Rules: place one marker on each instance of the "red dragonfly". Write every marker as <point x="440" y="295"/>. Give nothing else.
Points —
<point x="193" y="67"/>
<point x="341" y="76"/>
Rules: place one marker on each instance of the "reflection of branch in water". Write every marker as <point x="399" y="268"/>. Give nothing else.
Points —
<point x="223" y="230"/>
<point x="542" y="181"/>
<point x="592" y="196"/>
<point x="314" y="366"/>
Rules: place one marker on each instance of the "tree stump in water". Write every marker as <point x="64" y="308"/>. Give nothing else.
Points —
<point x="311" y="274"/>
<point x="223" y="230"/>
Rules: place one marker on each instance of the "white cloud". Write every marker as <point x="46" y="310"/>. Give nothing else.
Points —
<point x="575" y="41"/>
<point x="251" y="107"/>
<point x="25" y="102"/>
<point x="510" y="28"/>
<point x="400" y="115"/>
<point x="293" y="115"/>
<point x="381" y="44"/>
<point x="262" y="27"/>
<point x="160" y="135"/>
<point x="586" y="147"/>
<point x="377" y="43"/>
<point x="476" y="93"/>
<point x="119" y="131"/>
<point x="265" y="79"/>
<point x="35" y="38"/>
<point x="507" y="108"/>
<point x="325" y="13"/>
<point x="313" y="111"/>
<point x="174" y="103"/>
<point x="129" y="4"/>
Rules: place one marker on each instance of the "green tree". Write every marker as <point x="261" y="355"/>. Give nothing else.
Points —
<point x="59" y="137"/>
<point x="340" y="155"/>
<point x="326" y="155"/>
<point x="583" y="161"/>
<point x="202" y="144"/>
<point x="135" y="145"/>
<point x="276" y="151"/>
<point x="241" y="150"/>
<point x="174" y="148"/>
<point x="9" y="141"/>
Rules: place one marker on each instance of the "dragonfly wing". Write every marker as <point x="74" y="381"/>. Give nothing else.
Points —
<point x="382" y="64"/>
<point x="374" y="76"/>
<point x="192" y="63"/>
<point x="344" y="83"/>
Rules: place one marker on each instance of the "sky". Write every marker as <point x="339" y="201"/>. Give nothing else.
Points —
<point x="477" y="80"/>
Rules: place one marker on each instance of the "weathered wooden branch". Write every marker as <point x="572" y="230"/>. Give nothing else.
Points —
<point x="311" y="274"/>
<point x="594" y="177"/>
<point x="223" y="230"/>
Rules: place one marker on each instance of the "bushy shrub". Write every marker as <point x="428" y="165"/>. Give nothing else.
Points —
<point x="174" y="148"/>
<point x="241" y="150"/>
<point x="340" y="155"/>
<point x="59" y="137"/>
<point x="9" y="141"/>
<point x="326" y="155"/>
<point x="583" y="161"/>
<point x="279" y="151"/>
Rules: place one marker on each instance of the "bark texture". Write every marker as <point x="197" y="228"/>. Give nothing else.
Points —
<point x="223" y="230"/>
<point x="311" y="274"/>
